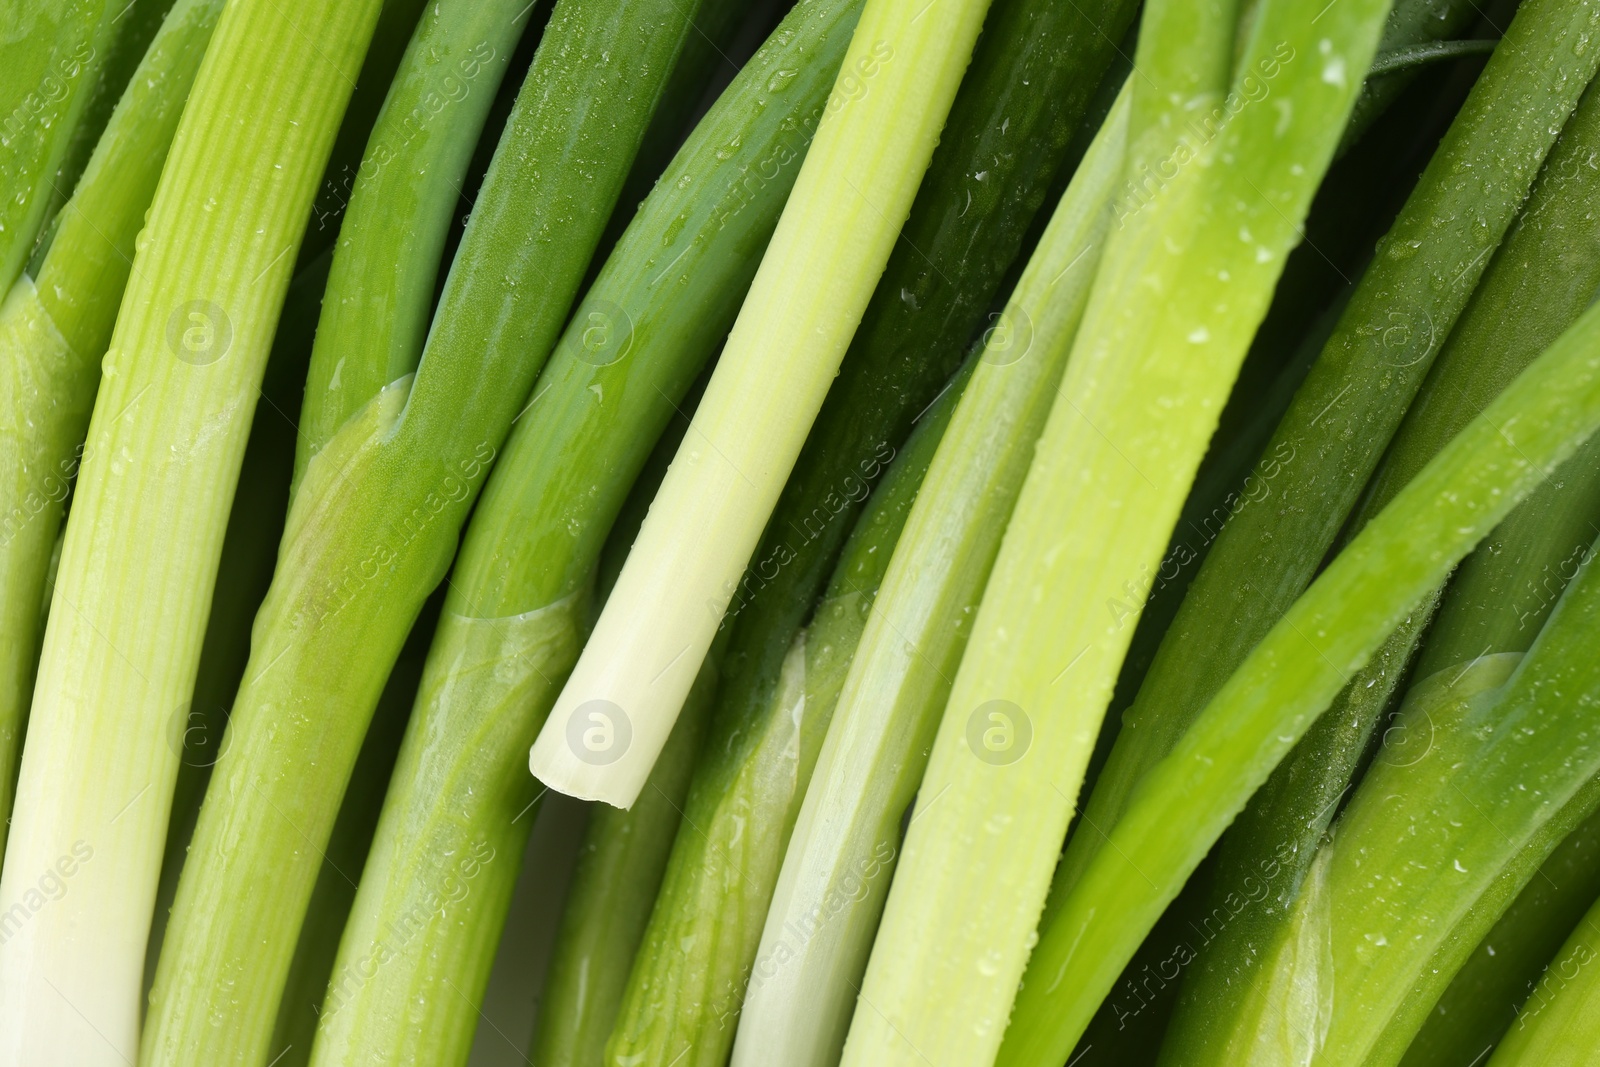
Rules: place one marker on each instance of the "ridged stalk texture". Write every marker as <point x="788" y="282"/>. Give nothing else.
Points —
<point x="179" y="385"/>
<point x="520" y="595"/>
<point x="1139" y="400"/>
<point x="375" y="518"/>
<point x="892" y="96"/>
<point x="54" y="328"/>
<point x="840" y="858"/>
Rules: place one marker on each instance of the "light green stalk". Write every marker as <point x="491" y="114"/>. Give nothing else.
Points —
<point x="179" y="384"/>
<point x="53" y="333"/>
<point x="1559" y="1025"/>
<point x="520" y="592"/>
<point x="1182" y="286"/>
<point x="375" y="520"/>
<point x="1290" y="678"/>
<point x="825" y="909"/>
<point x="50" y="60"/>
<point x="856" y="186"/>
<point x="700" y="949"/>
<point x="624" y="853"/>
<point x="1335" y="431"/>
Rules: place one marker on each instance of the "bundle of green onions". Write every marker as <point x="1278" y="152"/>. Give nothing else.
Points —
<point x="1026" y="533"/>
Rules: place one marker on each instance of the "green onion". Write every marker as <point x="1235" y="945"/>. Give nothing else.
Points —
<point x="50" y="62"/>
<point x="372" y="327"/>
<point x="54" y="331"/>
<point x="1413" y="26"/>
<point x="703" y="63"/>
<point x="1485" y="996"/>
<point x="521" y="588"/>
<point x="624" y="853"/>
<point x="1290" y="677"/>
<point x="1537" y="284"/>
<point x="1211" y="240"/>
<point x="688" y="979"/>
<point x="133" y="28"/>
<point x="346" y="853"/>
<point x="1394" y="923"/>
<point x="837" y="869"/>
<point x="892" y="96"/>
<point x="1335" y="431"/>
<point x="1559" y="1025"/>
<point x="376" y="515"/>
<point x="619" y="872"/>
<point x="179" y="385"/>
<point x="244" y="574"/>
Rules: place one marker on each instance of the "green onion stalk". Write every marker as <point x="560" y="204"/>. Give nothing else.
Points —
<point x="891" y="98"/>
<point x="1205" y="218"/>
<point x="1367" y="986"/>
<point x="390" y="40"/>
<point x="1486" y="996"/>
<point x="687" y="983"/>
<point x="1357" y="202"/>
<point x="244" y="573"/>
<point x="178" y="387"/>
<point x="132" y="29"/>
<point x="1296" y="671"/>
<point x="55" y="325"/>
<point x="624" y="852"/>
<point x="1492" y="615"/>
<point x="345" y="855"/>
<point x="1536" y="285"/>
<point x="1416" y="32"/>
<point x="1010" y="129"/>
<point x="377" y="511"/>
<point x="50" y="65"/>
<point x="840" y="859"/>
<point x="1559" y="1024"/>
<point x="619" y="872"/>
<point x="1335" y="431"/>
<point x="705" y="62"/>
<point x="520" y="593"/>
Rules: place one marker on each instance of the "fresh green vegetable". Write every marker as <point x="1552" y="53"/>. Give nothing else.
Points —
<point x="132" y="29"/>
<point x="344" y="856"/>
<point x="371" y="332"/>
<point x="1335" y="431"/>
<point x="390" y="40"/>
<point x="1413" y="27"/>
<point x="840" y="858"/>
<point x="244" y="573"/>
<point x="50" y="60"/>
<point x="1487" y="994"/>
<point x="619" y="872"/>
<point x="521" y="588"/>
<point x="55" y="326"/>
<point x="705" y="62"/>
<point x="700" y="946"/>
<point x="624" y="853"/>
<point x="872" y="146"/>
<point x="1559" y="1025"/>
<point x="950" y="951"/>
<point x="179" y="383"/>
<point x="1536" y="285"/>
<point x="1292" y="676"/>
<point x="375" y="518"/>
